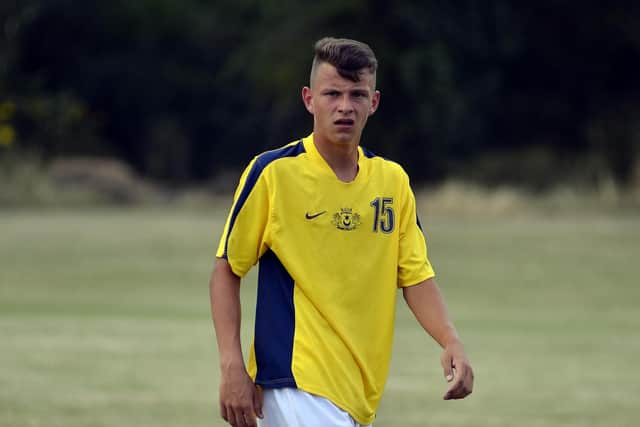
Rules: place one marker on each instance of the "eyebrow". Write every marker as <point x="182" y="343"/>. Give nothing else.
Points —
<point x="356" y="89"/>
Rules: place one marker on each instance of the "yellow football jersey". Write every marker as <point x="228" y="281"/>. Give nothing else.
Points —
<point x="331" y="256"/>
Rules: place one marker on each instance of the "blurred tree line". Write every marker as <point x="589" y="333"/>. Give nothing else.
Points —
<point x="186" y="89"/>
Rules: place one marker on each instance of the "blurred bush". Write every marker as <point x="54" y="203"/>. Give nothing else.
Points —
<point x="27" y="181"/>
<point x="110" y="179"/>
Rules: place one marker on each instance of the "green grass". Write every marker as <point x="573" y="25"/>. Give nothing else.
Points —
<point x="104" y="321"/>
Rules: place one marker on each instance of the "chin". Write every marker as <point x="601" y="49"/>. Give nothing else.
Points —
<point x="344" y="137"/>
<point x="343" y="141"/>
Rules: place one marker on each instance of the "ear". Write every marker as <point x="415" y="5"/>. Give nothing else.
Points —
<point x="375" y="101"/>
<point x="307" y="98"/>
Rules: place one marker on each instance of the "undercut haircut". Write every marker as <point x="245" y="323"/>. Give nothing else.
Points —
<point x="350" y="57"/>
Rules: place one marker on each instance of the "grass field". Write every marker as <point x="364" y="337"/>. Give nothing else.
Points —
<point x="104" y="321"/>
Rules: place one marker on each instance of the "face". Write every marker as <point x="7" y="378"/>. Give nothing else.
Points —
<point x="340" y="107"/>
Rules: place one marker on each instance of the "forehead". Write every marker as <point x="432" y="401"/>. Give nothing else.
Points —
<point x="327" y="76"/>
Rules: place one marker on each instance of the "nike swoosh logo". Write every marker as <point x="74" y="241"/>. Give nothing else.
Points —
<point x="311" y="216"/>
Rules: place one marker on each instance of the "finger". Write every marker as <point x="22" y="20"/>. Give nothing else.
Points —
<point x="471" y="377"/>
<point x="447" y="367"/>
<point x="236" y="419"/>
<point x="223" y="412"/>
<point x="465" y="373"/>
<point x="257" y="402"/>
<point x="448" y="395"/>
<point x="459" y="390"/>
<point x="448" y="371"/>
<point x="454" y="390"/>
<point x="468" y="382"/>
<point x="245" y="416"/>
<point x="250" y="419"/>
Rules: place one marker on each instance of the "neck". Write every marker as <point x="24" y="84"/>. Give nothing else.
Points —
<point x="341" y="158"/>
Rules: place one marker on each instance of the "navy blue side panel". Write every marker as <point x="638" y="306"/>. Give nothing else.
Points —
<point x="261" y="162"/>
<point x="368" y="154"/>
<point x="275" y="324"/>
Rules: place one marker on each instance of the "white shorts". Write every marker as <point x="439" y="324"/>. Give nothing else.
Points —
<point x="290" y="407"/>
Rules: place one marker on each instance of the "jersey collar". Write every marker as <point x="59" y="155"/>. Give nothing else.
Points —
<point x="316" y="157"/>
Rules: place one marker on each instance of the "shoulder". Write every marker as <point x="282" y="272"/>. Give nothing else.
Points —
<point x="266" y="158"/>
<point x="385" y="165"/>
<point x="254" y="172"/>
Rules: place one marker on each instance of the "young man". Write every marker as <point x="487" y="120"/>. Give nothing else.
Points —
<point x="335" y="232"/>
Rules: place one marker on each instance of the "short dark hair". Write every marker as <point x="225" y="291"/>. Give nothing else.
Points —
<point x="349" y="57"/>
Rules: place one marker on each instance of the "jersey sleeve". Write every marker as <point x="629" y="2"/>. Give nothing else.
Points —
<point x="245" y="235"/>
<point x="413" y="262"/>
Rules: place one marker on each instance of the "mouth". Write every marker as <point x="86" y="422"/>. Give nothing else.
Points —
<point x="343" y="123"/>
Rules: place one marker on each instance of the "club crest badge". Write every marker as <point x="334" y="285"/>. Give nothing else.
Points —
<point x="346" y="219"/>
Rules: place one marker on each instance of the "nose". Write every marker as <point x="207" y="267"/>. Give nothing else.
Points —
<point x="345" y="106"/>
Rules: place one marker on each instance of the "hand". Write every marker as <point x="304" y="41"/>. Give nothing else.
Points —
<point x="457" y="371"/>
<point x="240" y="399"/>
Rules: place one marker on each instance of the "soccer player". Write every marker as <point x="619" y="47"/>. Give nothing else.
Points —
<point x="334" y="230"/>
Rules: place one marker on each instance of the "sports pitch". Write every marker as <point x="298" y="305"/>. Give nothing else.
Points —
<point x="104" y="321"/>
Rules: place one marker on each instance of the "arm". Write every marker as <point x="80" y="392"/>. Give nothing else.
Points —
<point x="240" y="401"/>
<point x="427" y="305"/>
